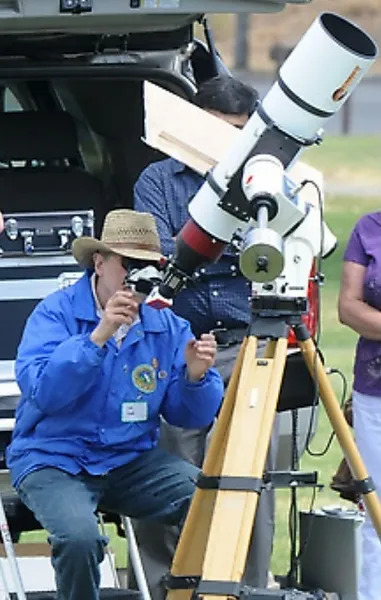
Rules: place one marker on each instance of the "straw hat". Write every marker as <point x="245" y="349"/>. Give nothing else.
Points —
<point x="125" y="232"/>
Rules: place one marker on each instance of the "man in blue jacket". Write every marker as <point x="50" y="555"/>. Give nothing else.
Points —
<point x="97" y="369"/>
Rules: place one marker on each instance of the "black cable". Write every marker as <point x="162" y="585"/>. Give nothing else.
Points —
<point x="211" y="45"/>
<point x="342" y="400"/>
<point x="309" y="530"/>
<point x="318" y="279"/>
<point x="292" y="575"/>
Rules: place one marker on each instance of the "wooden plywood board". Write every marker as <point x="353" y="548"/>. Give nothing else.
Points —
<point x="199" y="139"/>
<point x="183" y="130"/>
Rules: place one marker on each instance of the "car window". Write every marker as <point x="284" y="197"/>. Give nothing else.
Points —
<point x="11" y="104"/>
<point x="10" y="101"/>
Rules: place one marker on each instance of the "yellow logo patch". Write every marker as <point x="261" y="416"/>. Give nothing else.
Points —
<point x="144" y="378"/>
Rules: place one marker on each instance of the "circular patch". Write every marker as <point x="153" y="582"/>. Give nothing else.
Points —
<point x="144" y="378"/>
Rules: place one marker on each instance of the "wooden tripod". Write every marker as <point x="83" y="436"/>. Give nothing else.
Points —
<point x="211" y="554"/>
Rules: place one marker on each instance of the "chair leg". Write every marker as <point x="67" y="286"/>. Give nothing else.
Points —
<point x="5" y="583"/>
<point x="108" y="553"/>
<point x="11" y="556"/>
<point x="135" y="558"/>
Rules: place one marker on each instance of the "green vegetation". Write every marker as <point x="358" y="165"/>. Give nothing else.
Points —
<point x="348" y="160"/>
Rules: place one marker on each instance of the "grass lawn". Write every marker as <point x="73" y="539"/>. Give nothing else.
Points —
<point x="354" y="159"/>
<point x="348" y="159"/>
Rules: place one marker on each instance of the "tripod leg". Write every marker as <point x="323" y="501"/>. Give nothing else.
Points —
<point x="342" y="430"/>
<point x="216" y="536"/>
<point x="246" y="451"/>
<point x="190" y="550"/>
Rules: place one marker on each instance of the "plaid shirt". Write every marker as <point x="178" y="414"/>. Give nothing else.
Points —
<point x="220" y="298"/>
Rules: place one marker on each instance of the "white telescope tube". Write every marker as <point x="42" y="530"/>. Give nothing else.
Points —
<point x="319" y="75"/>
<point x="315" y="80"/>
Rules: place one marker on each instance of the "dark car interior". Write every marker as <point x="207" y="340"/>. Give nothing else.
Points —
<point x="71" y="136"/>
<point x="80" y="148"/>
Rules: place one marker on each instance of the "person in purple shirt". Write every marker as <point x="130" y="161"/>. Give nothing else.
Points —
<point x="360" y="309"/>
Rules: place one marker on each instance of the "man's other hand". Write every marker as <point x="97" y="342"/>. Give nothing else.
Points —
<point x="200" y="355"/>
<point x="120" y="309"/>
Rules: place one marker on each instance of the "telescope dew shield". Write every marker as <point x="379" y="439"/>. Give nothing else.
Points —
<point x="319" y="75"/>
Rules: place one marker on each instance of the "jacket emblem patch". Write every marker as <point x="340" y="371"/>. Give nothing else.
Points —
<point x="144" y="378"/>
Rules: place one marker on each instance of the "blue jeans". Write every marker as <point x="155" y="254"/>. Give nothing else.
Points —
<point x="156" y="486"/>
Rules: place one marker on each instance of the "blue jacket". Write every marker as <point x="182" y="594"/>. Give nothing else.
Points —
<point x="75" y="396"/>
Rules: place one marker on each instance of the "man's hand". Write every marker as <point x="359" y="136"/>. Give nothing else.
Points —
<point x="200" y="355"/>
<point x="120" y="309"/>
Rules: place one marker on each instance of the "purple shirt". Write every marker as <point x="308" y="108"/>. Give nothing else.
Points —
<point x="364" y="248"/>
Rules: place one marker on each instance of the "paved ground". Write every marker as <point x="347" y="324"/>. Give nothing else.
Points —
<point x="353" y="190"/>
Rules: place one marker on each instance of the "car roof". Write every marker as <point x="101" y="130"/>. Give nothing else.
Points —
<point x="119" y="16"/>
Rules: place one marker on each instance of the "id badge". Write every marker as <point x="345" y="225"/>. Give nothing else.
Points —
<point x="134" y="411"/>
